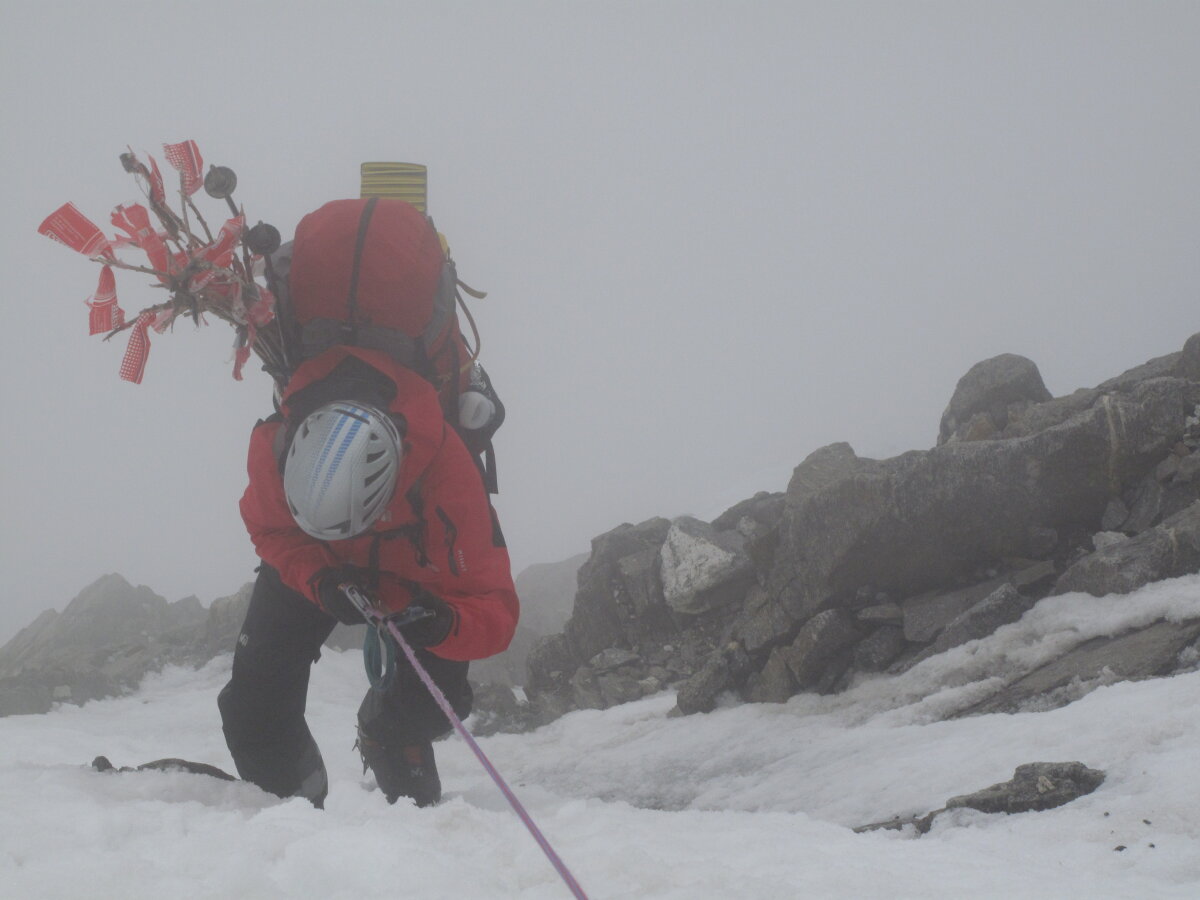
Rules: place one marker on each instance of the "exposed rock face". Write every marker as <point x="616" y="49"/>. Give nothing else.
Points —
<point x="892" y="561"/>
<point x="106" y="640"/>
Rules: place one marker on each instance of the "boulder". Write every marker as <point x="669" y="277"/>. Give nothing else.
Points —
<point x="879" y="649"/>
<point x="818" y="645"/>
<point x="1168" y="550"/>
<point x="775" y="683"/>
<point x="550" y="665"/>
<point x="982" y="398"/>
<point x="764" y="509"/>
<point x="1033" y="787"/>
<point x="606" y="613"/>
<point x="703" y="569"/>
<point x="764" y="623"/>
<point x="723" y="671"/>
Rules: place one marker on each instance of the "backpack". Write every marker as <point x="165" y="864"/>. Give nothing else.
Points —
<point x="375" y="273"/>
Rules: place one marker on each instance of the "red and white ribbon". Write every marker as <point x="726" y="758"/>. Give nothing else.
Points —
<point x="185" y="157"/>
<point x="133" y="366"/>
<point x="69" y="226"/>
<point x="220" y="252"/>
<point x="135" y="221"/>
<point x="105" y="313"/>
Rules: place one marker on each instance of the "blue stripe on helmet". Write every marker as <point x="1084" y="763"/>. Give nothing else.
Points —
<point x="340" y="453"/>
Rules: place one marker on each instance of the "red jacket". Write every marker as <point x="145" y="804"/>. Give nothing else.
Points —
<point x="439" y="532"/>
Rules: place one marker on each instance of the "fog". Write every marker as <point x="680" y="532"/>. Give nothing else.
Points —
<point x="715" y="237"/>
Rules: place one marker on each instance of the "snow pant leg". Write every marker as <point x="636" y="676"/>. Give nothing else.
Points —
<point x="406" y="713"/>
<point x="262" y="706"/>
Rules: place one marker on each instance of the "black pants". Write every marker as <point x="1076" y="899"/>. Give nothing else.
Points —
<point x="262" y="706"/>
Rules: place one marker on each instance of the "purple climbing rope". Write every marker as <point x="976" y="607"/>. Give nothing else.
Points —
<point x="518" y="808"/>
<point x="373" y="617"/>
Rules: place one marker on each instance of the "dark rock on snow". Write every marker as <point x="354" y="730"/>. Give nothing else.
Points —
<point x="1033" y="787"/>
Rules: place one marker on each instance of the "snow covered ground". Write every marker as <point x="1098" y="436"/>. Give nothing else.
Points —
<point x="749" y="801"/>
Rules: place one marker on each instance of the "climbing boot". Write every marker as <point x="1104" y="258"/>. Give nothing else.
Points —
<point x="402" y="771"/>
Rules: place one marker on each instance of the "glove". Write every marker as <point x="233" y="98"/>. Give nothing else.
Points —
<point x="331" y="599"/>
<point x="426" y="621"/>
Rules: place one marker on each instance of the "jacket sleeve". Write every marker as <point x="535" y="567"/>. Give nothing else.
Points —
<point x="277" y="538"/>
<point x="466" y="545"/>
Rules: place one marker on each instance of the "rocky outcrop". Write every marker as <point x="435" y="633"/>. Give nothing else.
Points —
<point x="105" y="642"/>
<point x="867" y="565"/>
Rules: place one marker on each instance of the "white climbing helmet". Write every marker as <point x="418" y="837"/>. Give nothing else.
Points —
<point x="341" y="470"/>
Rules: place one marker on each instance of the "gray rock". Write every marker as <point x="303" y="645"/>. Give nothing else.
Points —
<point x="1189" y="468"/>
<point x="1167" y="469"/>
<point x="1002" y="606"/>
<point x="1147" y="506"/>
<point x="879" y="649"/>
<point x="550" y="665"/>
<point x="1145" y="653"/>
<point x="617" y="688"/>
<point x="702" y="568"/>
<point x="988" y="389"/>
<point x="764" y="624"/>
<point x="106" y="640"/>
<point x="774" y="683"/>
<point x="924" y="519"/>
<point x="496" y="710"/>
<point x="926" y="615"/>
<point x="818" y="645"/>
<point x="883" y="612"/>
<point x="605" y="613"/>
<point x="585" y="690"/>
<point x="1115" y="515"/>
<point x="1169" y="550"/>
<point x="1042" y="541"/>
<point x="1188" y="365"/>
<point x="640" y="573"/>
<point x="764" y="509"/>
<point x="723" y="671"/>
<point x="1160" y="367"/>
<point x="1102" y="539"/>
<point x="612" y="658"/>
<point x="1033" y="787"/>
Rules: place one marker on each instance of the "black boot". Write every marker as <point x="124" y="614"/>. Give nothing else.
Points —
<point x="402" y="771"/>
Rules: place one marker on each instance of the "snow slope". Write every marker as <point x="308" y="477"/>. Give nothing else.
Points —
<point x="748" y="801"/>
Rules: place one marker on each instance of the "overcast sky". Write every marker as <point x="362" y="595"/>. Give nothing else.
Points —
<point x="715" y="237"/>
